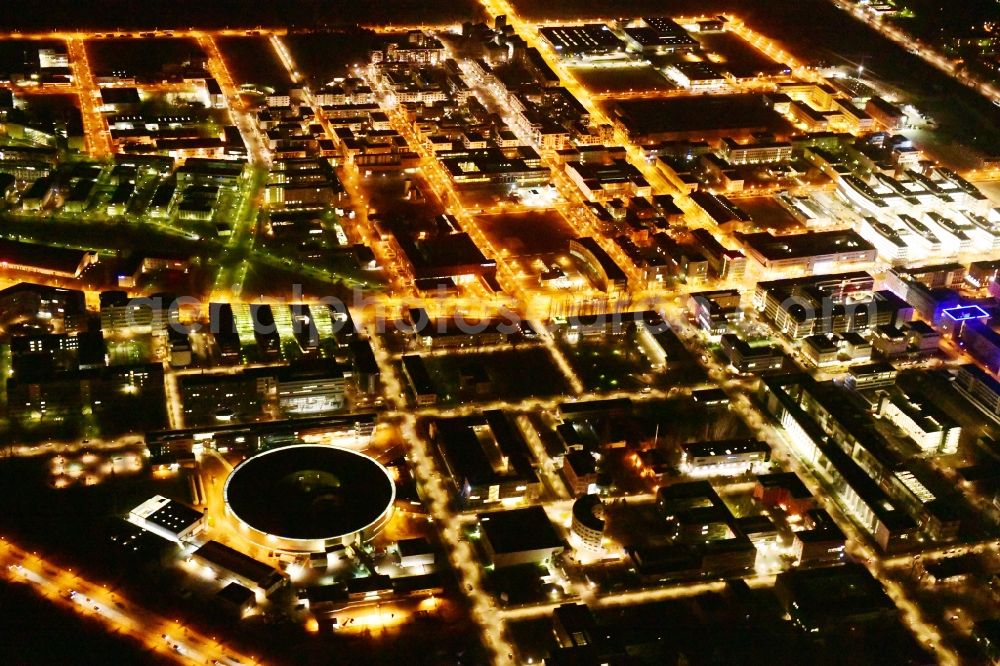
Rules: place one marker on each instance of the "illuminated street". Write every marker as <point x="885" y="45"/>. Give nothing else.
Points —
<point x="505" y="333"/>
<point x="120" y="615"/>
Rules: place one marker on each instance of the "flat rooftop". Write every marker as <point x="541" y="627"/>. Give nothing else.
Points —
<point x="647" y="36"/>
<point x="825" y="593"/>
<point x="519" y="530"/>
<point x="669" y="31"/>
<point x="787" y="480"/>
<point x="590" y="38"/>
<point x="732" y="447"/>
<point x="800" y="246"/>
<point x="168" y="514"/>
<point x="467" y="457"/>
<point x="698" y="71"/>
<point x="236" y="594"/>
<point x="236" y="562"/>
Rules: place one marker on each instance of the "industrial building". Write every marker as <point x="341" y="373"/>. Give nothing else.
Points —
<point x="168" y="519"/>
<point x="230" y="565"/>
<point x="45" y="260"/>
<point x="591" y="40"/>
<point x="814" y="252"/>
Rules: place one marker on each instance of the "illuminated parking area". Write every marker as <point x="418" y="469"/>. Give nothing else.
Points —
<point x="90" y="468"/>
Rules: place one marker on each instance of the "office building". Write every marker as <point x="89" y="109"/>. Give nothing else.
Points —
<point x="519" y="536"/>
<point x="748" y="358"/>
<point x="487" y="458"/>
<point x="589" y="522"/>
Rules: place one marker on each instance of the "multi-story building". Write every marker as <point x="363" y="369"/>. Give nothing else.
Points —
<point x="788" y="399"/>
<point x="820" y="349"/>
<point x="419" y="379"/>
<point x="119" y="313"/>
<point x="757" y="152"/>
<point x="723" y="262"/>
<point x="588" y="522"/>
<point x="519" y="536"/>
<point x="491" y="166"/>
<point x="314" y="388"/>
<point x="487" y="458"/>
<point x="579" y="469"/>
<point x="604" y="272"/>
<point x="926" y="424"/>
<point x="885" y="113"/>
<point x="419" y="48"/>
<point x="750" y="358"/>
<point x="838" y="303"/>
<point x="784" y="490"/>
<point x="814" y="252"/>
<point x="715" y="311"/>
<point x="600" y="182"/>
<point x="884" y="487"/>
<point x="723" y="458"/>
<point x="982" y="389"/>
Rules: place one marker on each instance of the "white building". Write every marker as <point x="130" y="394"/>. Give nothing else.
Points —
<point x="932" y="430"/>
<point x="169" y="519"/>
<point x="588" y="522"/>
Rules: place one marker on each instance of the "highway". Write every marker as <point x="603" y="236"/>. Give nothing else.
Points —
<point x="167" y="638"/>
<point x="929" y="55"/>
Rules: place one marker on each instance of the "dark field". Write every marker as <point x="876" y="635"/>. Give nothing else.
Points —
<point x="59" y="521"/>
<point x="143" y="58"/>
<point x="768" y="214"/>
<point x="543" y="232"/>
<point x="252" y="60"/>
<point x="16" y="53"/>
<point x="127" y="14"/>
<point x="30" y="621"/>
<point x="515" y="374"/>
<point x="621" y="79"/>
<point x="581" y="9"/>
<point x="703" y="113"/>
<point x="323" y="56"/>
<point x="739" y="57"/>
<point x="49" y="108"/>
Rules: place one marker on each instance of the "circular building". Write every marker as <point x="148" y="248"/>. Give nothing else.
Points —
<point x="309" y="498"/>
<point x="588" y="521"/>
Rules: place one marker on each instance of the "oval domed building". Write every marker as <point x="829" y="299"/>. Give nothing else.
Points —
<point x="309" y="498"/>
